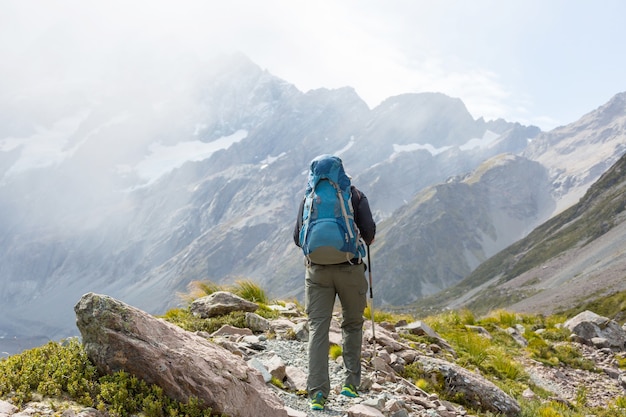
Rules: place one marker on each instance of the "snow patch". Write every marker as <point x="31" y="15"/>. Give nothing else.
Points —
<point x="487" y="140"/>
<point x="163" y="159"/>
<point x="416" y="146"/>
<point x="345" y="148"/>
<point x="271" y="159"/>
<point x="45" y="148"/>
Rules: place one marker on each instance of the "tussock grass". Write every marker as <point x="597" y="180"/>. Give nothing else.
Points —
<point x="381" y="316"/>
<point x="244" y="288"/>
<point x="249" y="290"/>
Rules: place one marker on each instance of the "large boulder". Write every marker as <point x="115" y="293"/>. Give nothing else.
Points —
<point x="118" y="337"/>
<point x="220" y="303"/>
<point x="590" y="326"/>
<point x="473" y="388"/>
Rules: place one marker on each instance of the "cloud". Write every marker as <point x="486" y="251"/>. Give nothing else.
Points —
<point x="517" y="59"/>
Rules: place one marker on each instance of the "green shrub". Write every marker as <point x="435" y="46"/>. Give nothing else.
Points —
<point x="620" y="402"/>
<point x="187" y="321"/>
<point x="571" y="355"/>
<point x="53" y="370"/>
<point x="122" y="394"/>
<point x="277" y="383"/>
<point x="62" y="370"/>
<point x="335" y="351"/>
<point x="540" y="350"/>
<point x="432" y="382"/>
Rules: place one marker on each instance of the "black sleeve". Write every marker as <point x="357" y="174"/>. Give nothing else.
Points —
<point x="363" y="216"/>
<point x="296" y="230"/>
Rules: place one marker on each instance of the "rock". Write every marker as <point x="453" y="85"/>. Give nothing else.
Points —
<point x="282" y="326"/>
<point x="256" y="323"/>
<point x="288" y="310"/>
<point x="517" y="336"/>
<point x="296" y="378"/>
<point x="220" y="303"/>
<point x="118" y="337"/>
<point x="420" y="328"/>
<point x="480" y="330"/>
<point x="588" y="325"/>
<point x="294" y="413"/>
<point x="302" y="332"/>
<point x="476" y="390"/>
<point x="528" y="394"/>
<point x="361" y="410"/>
<point x="275" y="365"/>
<point x="6" y="408"/>
<point x="600" y="342"/>
<point x="335" y="336"/>
<point x="227" y="330"/>
<point x="260" y="366"/>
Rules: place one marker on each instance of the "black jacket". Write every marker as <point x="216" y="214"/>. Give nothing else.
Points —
<point x="362" y="217"/>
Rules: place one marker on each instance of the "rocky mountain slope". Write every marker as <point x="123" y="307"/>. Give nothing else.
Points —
<point x="575" y="257"/>
<point x="137" y="198"/>
<point x="472" y="217"/>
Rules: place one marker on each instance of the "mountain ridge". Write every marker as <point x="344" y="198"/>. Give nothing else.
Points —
<point x="574" y="257"/>
<point x="91" y="222"/>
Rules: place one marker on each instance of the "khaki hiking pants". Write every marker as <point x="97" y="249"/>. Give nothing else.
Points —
<point x="322" y="284"/>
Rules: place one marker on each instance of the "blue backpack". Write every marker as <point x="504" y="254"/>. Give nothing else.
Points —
<point x="329" y="234"/>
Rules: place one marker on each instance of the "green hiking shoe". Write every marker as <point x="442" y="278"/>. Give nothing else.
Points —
<point x="318" y="401"/>
<point x="349" y="390"/>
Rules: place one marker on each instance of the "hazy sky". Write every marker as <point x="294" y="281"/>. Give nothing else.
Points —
<point x="542" y="62"/>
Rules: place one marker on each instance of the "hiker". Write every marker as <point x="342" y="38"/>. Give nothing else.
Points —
<point x="328" y="275"/>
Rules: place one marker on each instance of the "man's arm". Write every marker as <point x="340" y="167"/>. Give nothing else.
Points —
<point x="363" y="216"/>
<point x="296" y="230"/>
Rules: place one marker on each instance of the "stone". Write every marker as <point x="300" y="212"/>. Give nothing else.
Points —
<point x="6" y="408"/>
<point x="361" y="410"/>
<point x="260" y="366"/>
<point x="588" y="325"/>
<point x="302" y="332"/>
<point x="227" y="330"/>
<point x="282" y="326"/>
<point x="600" y="342"/>
<point x="517" y="336"/>
<point x="295" y="413"/>
<point x="475" y="389"/>
<point x="480" y="330"/>
<point x="220" y="303"/>
<point x="256" y="323"/>
<point x="420" y="328"/>
<point x="296" y="378"/>
<point x="528" y="394"/>
<point x="117" y="337"/>
<point x="275" y="365"/>
<point x="335" y="336"/>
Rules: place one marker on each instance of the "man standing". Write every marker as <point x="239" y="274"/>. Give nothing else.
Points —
<point x="328" y="275"/>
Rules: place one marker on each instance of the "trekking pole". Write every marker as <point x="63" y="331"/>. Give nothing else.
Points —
<point x="369" y="267"/>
